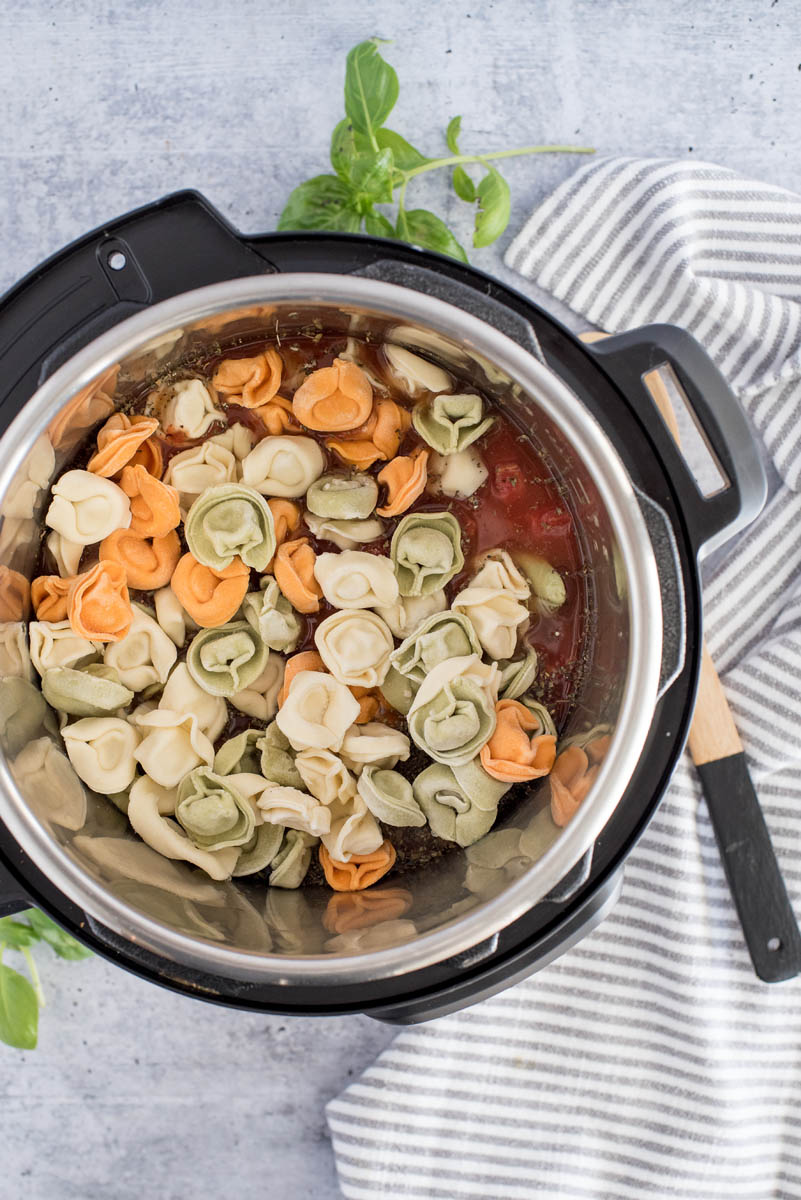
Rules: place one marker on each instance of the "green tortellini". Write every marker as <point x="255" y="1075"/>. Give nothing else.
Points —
<point x="272" y="616"/>
<point x="22" y="713"/>
<point x="398" y="690"/>
<point x="426" y="552"/>
<point x="228" y="521"/>
<point x="239" y="754"/>
<point x="260" y="851"/>
<point x="292" y="861"/>
<point x="451" y="721"/>
<point x="389" y="797"/>
<point x="547" y="724"/>
<point x="461" y="803"/>
<point x="450" y="423"/>
<point x="213" y="813"/>
<point x="225" y="660"/>
<point x="343" y="495"/>
<point x="518" y="675"/>
<point x="92" y="691"/>
<point x="443" y="635"/>
<point x="278" y="758"/>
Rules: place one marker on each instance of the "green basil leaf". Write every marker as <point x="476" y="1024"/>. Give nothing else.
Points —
<point x="494" y="207"/>
<point x="324" y="202"/>
<point x="452" y="134"/>
<point x="346" y="146"/>
<point x="371" y="88"/>
<point x="423" y="228"/>
<point x="64" y="944"/>
<point x="463" y="185"/>
<point x="377" y="224"/>
<point x="19" y="1010"/>
<point x="372" y="179"/>
<point x="15" y="935"/>
<point x="405" y="155"/>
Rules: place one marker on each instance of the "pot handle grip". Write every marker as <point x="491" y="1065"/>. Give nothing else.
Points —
<point x="629" y="358"/>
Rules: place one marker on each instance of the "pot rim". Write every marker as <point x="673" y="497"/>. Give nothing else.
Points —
<point x="644" y="599"/>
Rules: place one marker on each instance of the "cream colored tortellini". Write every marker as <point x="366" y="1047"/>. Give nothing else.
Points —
<point x="374" y="744"/>
<point x="102" y="750"/>
<point x="495" y="602"/>
<point x="15" y="656"/>
<point x="459" y="475"/>
<point x="272" y="616"/>
<point x="238" y="439"/>
<point x="389" y="797"/>
<point x="426" y="551"/>
<point x="182" y="695"/>
<point x="460" y="802"/>
<point x="67" y="554"/>
<point x="290" y="865"/>
<point x="150" y="810"/>
<point x="172" y="616"/>
<point x="172" y="745"/>
<point x="294" y="809"/>
<point x="86" y="508"/>
<point x="260" y="698"/>
<point x="317" y="712"/>
<point x="407" y="614"/>
<point x="93" y="691"/>
<point x="355" y="647"/>
<point x="228" y="521"/>
<point x="356" y="579"/>
<point x="343" y="495"/>
<point x="283" y="465"/>
<point x="212" y="811"/>
<point x="451" y="423"/>
<point x="453" y="713"/>
<point x="325" y="776"/>
<point x="443" y="635"/>
<point x="53" y="644"/>
<point x="31" y="481"/>
<point x="207" y="465"/>
<point x="191" y="408"/>
<point x="227" y="659"/>
<point x="346" y="535"/>
<point x="414" y="373"/>
<point x="144" y="656"/>
<point x="50" y="784"/>
<point x="354" y="829"/>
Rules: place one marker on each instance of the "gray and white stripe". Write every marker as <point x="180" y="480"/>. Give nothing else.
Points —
<point x="649" y="1060"/>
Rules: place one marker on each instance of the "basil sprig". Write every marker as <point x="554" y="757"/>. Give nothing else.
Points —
<point x="20" y="998"/>
<point x="372" y="164"/>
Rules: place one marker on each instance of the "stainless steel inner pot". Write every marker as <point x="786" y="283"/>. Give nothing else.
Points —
<point x="244" y="930"/>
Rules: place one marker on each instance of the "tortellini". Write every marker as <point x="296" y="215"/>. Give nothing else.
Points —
<point x="87" y="508"/>
<point x="22" y="713"/>
<point x="67" y="554"/>
<point x="172" y="745"/>
<point x="459" y="475"/>
<point x="345" y="534"/>
<point x="374" y="744"/>
<point x="260" y="851"/>
<point x="398" y="690"/>
<point x="272" y="616"/>
<point x="191" y="408"/>
<point x="460" y="802"/>
<point x="204" y="466"/>
<point x="227" y="659"/>
<point x="53" y="644"/>
<point x="240" y="753"/>
<point x="317" y="712"/>
<point x="355" y="647"/>
<point x="356" y="579"/>
<point x="15" y="657"/>
<point x="291" y="864"/>
<point x="294" y="809"/>
<point x="443" y="635"/>
<point x="415" y="373"/>
<point x="172" y="616"/>
<point x="102" y="751"/>
<point x="451" y="423"/>
<point x="182" y="695"/>
<point x="260" y="698"/>
<point x="144" y="656"/>
<point x="212" y="811"/>
<point x="150" y="810"/>
<point x="278" y="758"/>
<point x="426" y="551"/>
<point x="494" y="601"/>
<point x="453" y="714"/>
<point x="231" y="521"/>
<point x="408" y="613"/>
<point x="50" y="784"/>
<point x="517" y="676"/>
<point x="94" y="691"/>
<point x="354" y="830"/>
<point x="343" y="495"/>
<point x="283" y="465"/>
<point x="325" y="776"/>
<point x="389" y="797"/>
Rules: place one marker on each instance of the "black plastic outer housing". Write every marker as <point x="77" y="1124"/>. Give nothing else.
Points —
<point x="181" y="243"/>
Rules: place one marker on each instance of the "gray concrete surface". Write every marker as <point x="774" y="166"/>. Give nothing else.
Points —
<point x="134" y="1092"/>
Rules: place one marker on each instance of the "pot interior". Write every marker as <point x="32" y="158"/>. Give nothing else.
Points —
<point x="247" y="916"/>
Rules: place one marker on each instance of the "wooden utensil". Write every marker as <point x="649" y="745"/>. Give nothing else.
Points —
<point x="749" y="860"/>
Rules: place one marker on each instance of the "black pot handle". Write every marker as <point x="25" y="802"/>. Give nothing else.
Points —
<point x="173" y="245"/>
<point x="12" y="897"/>
<point x="627" y="358"/>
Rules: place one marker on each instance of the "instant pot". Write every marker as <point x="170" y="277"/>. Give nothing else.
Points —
<point x="171" y="283"/>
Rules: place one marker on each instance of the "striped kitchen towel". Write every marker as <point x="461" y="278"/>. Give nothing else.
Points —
<point x="649" y="1060"/>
